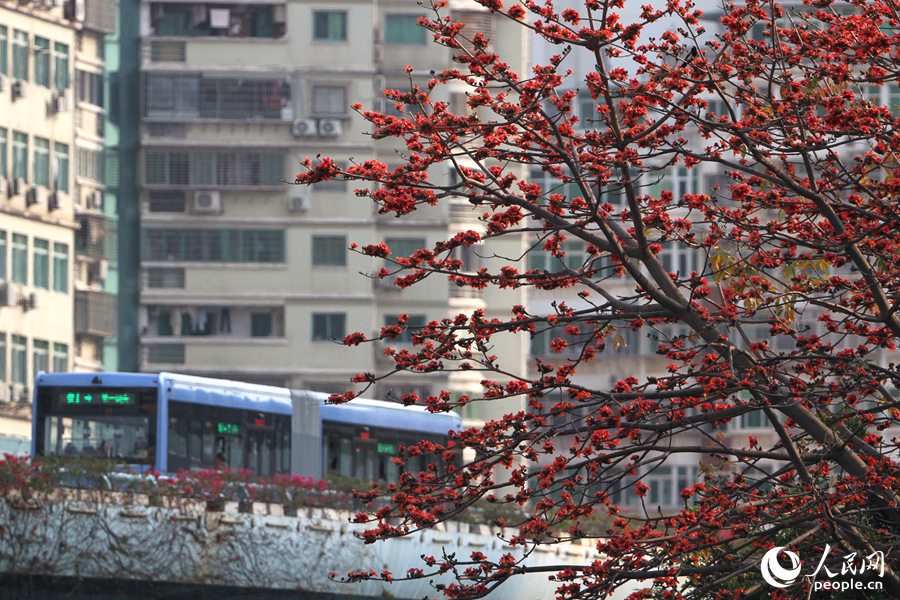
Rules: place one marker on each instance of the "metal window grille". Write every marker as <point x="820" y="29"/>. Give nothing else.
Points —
<point x="329" y="250"/>
<point x="202" y="168"/>
<point x="329" y="100"/>
<point x="192" y="97"/>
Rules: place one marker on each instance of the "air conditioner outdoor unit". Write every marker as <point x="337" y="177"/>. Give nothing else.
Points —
<point x="207" y="201"/>
<point x="386" y="284"/>
<point x="3" y="83"/>
<point x="103" y="270"/>
<point x="19" y="89"/>
<point x="56" y="200"/>
<point x="330" y="127"/>
<point x="60" y="102"/>
<point x="305" y="127"/>
<point x="94" y="200"/>
<point x="29" y="301"/>
<point x="5" y="395"/>
<point x="299" y="203"/>
<point x="18" y="393"/>
<point x="36" y="195"/>
<point x="8" y="295"/>
<point x="4" y="187"/>
<point x="17" y="186"/>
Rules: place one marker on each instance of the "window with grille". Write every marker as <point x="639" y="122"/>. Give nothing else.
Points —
<point x="214" y="245"/>
<point x="60" y="267"/>
<point x="61" y="65"/>
<point x="401" y="247"/>
<point x="3" y="362"/>
<point x="329" y="326"/>
<point x="4" y="50"/>
<point x="189" y="97"/>
<point x="329" y="100"/>
<point x="3" y="145"/>
<point x="89" y="87"/>
<point x="413" y="325"/>
<point x="41" y="264"/>
<point x="2" y="256"/>
<point x="403" y="29"/>
<point x="20" y="55"/>
<point x="61" y="164"/>
<point x="60" y="358"/>
<point x="89" y="164"/>
<point x="41" y="162"/>
<point x="330" y="25"/>
<point x="201" y="168"/>
<point x="19" y="359"/>
<point x="20" y="155"/>
<point x="42" y="61"/>
<point x="40" y="355"/>
<point x="329" y="250"/>
<point x="19" y="258"/>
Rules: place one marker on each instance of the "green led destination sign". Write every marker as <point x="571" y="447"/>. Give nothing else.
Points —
<point x="386" y="449"/>
<point x="98" y="399"/>
<point x="228" y="429"/>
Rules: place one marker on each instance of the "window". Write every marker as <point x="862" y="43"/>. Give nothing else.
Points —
<point x="329" y="326"/>
<point x="20" y="155"/>
<point x="260" y="324"/>
<point x="20" y="55"/>
<point x="181" y="96"/>
<point x="214" y="245"/>
<point x="40" y="356"/>
<point x="403" y="247"/>
<point x="413" y="325"/>
<point x="41" y="162"/>
<point x="205" y="168"/>
<point x="60" y="358"/>
<point x="2" y="257"/>
<point x="89" y="87"/>
<point x="89" y="164"/>
<point x="2" y="357"/>
<point x="403" y="29"/>
<point x="61" y="170"/>
<point x="41" y="264"/>
<point x="19" y="359"/>
<point x="329" y="100"/>
<point x="19" y="258"/>
<point x="60" y="267"/>
<point x="329" y="250"/>
<point x="3" y="144"/>
<point x="61" y="65"/>
<point x="4" y="58"/>
<point x="42" y="61"/>
<point x="330" y="26"/>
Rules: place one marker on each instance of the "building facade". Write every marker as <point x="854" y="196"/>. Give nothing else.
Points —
<point x="49" y="133"/>
<point x="242" y="275"/>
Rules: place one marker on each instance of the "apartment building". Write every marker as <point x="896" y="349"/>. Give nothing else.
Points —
<point x="242" y="275"/>
<point x="48" y="136"/>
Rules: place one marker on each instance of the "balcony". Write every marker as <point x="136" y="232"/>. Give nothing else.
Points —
<point x="95" y="313"/>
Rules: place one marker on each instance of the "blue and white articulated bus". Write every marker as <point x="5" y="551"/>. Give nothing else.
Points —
<point x="174" y="422"/>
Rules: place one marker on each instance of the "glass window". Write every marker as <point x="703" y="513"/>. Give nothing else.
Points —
<point x="89" y="87"/>
<point x="4" y="50"/>
<point x="3" y="144"/>
<point x="261" y="324"/>
<point x="330" y="25"/>
<point x="413" y="324"/>
<point x="42" y="61"/>
<point x="329" y="100"/>
<point x="329" y="326"/>
<point x="19" y="359"/>
<point x="329" y="250"/>
<point x="2" y="356"/>
<point x="2" y="256"/>
<point x="20" y="155"/>
<point x="60" y="358"/>
<point x="61" y="65"/>
<point x="214" y="245"/>
<point x="61" y="170"/>
<point x="60" y="267"/>
<point x="40" y="355"/>
<point x="20" y="55"/>
<point x="41" y="163"/>
<point x="403" y="247"/>
<point x="41" y="264"/>
<point x="403" y="29"/>
<point x="19" y="258"/>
